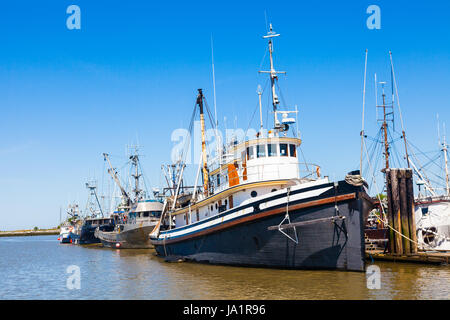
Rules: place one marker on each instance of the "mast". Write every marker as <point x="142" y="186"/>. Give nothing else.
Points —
<point x="384" y="128"/>
<point x="136" y="175"/>
<point x="273" y="76"/>
<point x="113" y="174"/>
<point x="444" y="149"/>
<point x="92" y="187"/>
<point x="394" y="85"/>
<point x="204" y="159"/>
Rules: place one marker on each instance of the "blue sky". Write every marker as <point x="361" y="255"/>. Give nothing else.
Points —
<point x="67" y="96"/>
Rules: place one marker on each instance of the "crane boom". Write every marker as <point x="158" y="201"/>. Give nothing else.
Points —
<point x="113" y="174"/>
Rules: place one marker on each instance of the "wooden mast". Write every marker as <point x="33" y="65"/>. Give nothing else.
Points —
<point x="386" y="143"/>
<point x="204" y="159"/>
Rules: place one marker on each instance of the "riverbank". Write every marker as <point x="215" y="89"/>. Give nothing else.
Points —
<point x="21" y="233"/>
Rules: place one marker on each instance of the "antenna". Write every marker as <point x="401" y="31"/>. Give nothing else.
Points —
<point x="216" y="124"/>
<point x="259" y="91"/>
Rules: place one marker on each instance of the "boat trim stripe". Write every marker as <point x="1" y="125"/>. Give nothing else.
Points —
<point x="257" y="216"/>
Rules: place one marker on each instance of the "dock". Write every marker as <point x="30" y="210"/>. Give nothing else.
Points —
<point x="24" y="233"/>
<point x="434" y="257"/>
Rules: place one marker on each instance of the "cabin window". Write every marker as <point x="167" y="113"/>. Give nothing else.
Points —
<point x="254" y="194"/>
<point x="198" y="215"/>
<point x="261" y="150"/>
<point x="424" y="210"/>
<point x="146" y="214"/>
<point x="283" y="149"/>
<point x="218" y="180"/>
<point x="250" y="153"/>
<point x="216" y="205"/>
<point x="226" y="202"/>
<point x="273" y="190"/>
<point x="272" y="150"/>
<point x="156" y="214"/>
<point x="292" y="150"/>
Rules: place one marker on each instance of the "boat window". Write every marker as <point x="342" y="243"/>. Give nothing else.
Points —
<point x="254" y="194"/>
<point x="261" y="150"/>
<point x="272" y="150"/>
<point x="218" y="179"/>
<point x="250" y="153"/>
<point x="146" y="214"/>
<point x="424" y="210"/>
<point x="292" y="150"/>
<point x="197" y="214"/>
<point x="283" y="149"/>
<point x="273" y="190"/>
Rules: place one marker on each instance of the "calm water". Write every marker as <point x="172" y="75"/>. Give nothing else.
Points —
<point x="35" y="268"/>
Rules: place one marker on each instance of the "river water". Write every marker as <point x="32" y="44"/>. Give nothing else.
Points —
<point x="37" y="268"/>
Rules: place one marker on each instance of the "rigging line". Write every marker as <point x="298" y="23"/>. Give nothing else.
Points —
<point x="363" y="108"/>
<point x="208" y="111"/>
<point x="418" y="149"/>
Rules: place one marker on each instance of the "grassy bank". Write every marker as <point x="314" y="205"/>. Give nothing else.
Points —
<point x="21" y="233"/>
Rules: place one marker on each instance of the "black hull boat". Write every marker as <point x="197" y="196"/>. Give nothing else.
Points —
<point x="256" y="207"/>
<point x="318" y="232"/>
<point x="130" y="237"/>
<point x="87" y="232"/>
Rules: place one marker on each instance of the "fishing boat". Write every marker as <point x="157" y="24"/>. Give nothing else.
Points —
<point x="96" y="219"/>
<point x="133" y="232"/>
<point x="432" y="209"/>
<point x="69" y="231"/>
<point x="256" y="209"/>
<point x="138" y="217"/>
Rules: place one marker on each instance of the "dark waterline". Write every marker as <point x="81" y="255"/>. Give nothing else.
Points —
<point x="35" y="268"/>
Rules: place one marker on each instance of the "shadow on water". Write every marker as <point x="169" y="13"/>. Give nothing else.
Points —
<point x="37" y="269"/>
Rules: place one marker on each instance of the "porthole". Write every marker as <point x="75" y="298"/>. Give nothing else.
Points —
<point x="253" y="194"/>
<point x="273" y="190"/>
<point x="216" y="205"/>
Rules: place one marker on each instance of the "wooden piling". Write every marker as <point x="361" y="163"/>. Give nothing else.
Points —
<point x="390" y="215"/>
<point x="401" y="210"/>
<point x="411" y="210"/>
<point x="401" y="175"/>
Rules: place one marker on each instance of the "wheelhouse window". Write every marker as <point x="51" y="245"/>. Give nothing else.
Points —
<point x="272" y="150"/>
<point x="261" y="150"/>
<point x="250" y="153"/>
<point x="283" y="149"/>
<point x="292" y="150"/>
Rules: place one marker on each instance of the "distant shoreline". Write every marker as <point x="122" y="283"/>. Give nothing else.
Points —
<point x="21" y="233"/>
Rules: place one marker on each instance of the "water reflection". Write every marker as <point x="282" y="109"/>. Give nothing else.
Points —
<point x="35" y="268"/>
